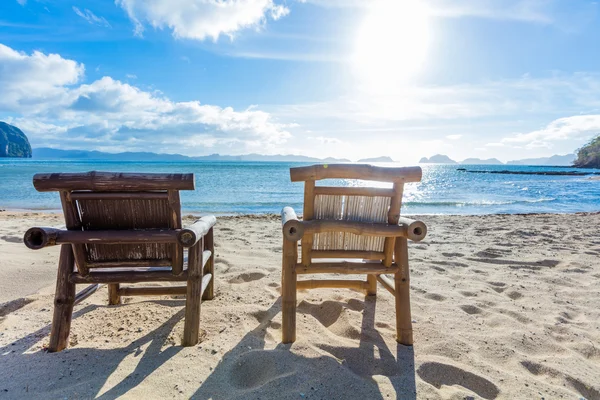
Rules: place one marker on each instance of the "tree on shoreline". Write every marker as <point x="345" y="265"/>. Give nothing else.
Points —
<point x="589" y="155"/>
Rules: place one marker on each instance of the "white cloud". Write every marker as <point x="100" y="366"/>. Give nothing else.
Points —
<point x="130" y="76"/>
<point x="91" y="17"/>
<point x="568" y="128"/>
<point x="325" y="139"/>
<point x="30" y="82"/>
<point x="45" y="90"/>
<point x="454" y="137"/>
<point x="201" y="19"/>
<point x="495" y="144"/>
<point x="526" y="96"/>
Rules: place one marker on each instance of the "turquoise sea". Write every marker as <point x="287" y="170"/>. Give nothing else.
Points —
<point x="265" y="187"/>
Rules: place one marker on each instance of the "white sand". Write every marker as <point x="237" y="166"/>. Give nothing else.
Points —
<point x="504" y="307"/>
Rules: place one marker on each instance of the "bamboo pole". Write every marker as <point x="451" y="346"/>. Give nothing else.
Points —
<point x="81" y="195"/>
<point x="367" y="267"/>
<point x="64" y="299"/>
<point x="153" y="291"/>
<point x="175" y="223"/>
<point x="193" y="297"/>
<point x="402" y="285"/>
<point x="292" y="228"/>
<point x="112" y="181"/>
<point x="114" y="295"/>
<point x="209" y="245"/>
<point x="127" y="277"/>
<point x="130" y="264"/>
<point x="39" y="237"/>
<point x="190" y="235"/>
<point x="364" y="255"/>
<point x="417" y="230"/>
<point x="358" y="228"/>
<point x="387" y="283"/>
<point x="85" y="293"/>
<point x="393" y="217"/>
<point x="288" y="291"/>
<point x="73" y="223"/>
<point x="353" y="191"/>
<point x="206" y="280"/>
<point x="331" y="283"/>
<point x="371" y="285"/>
<point x="356" y="171"/>
<point x="309" y="211"/>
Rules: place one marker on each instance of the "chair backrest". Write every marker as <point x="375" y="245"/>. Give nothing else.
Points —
<point x="351" y="203"/>
<point x="120" y="201"/>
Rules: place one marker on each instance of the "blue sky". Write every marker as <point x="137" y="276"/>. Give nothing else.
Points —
<point x="348" y="78"/>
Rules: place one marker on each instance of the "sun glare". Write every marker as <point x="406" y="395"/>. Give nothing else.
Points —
<point x="392" y="42"/>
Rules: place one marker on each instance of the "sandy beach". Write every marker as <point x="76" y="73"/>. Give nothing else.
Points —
<point x="504" y="307"/>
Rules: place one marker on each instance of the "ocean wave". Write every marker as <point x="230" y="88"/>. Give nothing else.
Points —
<point x="475" y="203"/>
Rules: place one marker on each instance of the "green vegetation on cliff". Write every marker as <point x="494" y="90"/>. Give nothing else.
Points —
<point x="589" y="155"/>
<point x="13" y="142"/>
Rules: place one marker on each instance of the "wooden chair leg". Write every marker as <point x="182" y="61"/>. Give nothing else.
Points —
<point x="193" y="297"/>
<point x="209" y="292"/>
<point x="113" y="294"/>
<point x="372" y="285"/>
<point x="63" y="301"/>
<point x="402" y="285"/>
<point x="288" y="291"/>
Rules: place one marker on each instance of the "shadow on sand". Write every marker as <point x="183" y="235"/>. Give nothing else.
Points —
<point x="348" y="373"/>
<point x="247" y="371"/>
<point x="82" y="372"/>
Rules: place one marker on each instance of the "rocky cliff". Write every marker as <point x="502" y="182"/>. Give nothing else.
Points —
<point x="13" y="142"/>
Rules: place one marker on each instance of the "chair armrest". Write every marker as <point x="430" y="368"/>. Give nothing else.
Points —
<point x="292" y="228"/>
<point x="190" y="235"/>
<point x="415" y="230"/>
<point x="40" y="237"/>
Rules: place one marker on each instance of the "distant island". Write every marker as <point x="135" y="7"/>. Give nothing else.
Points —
<point x="556" y="160"/>
<point x="46" y="153"/>
<point x="437" y="159"/>
<point x="13" y="142"/>
<point x="479" y="161"/>
<point x="589" y="155"/>
<point x="376" y="159"/>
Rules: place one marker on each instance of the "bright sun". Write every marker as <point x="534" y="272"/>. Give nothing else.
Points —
<point x="392" y="43"/>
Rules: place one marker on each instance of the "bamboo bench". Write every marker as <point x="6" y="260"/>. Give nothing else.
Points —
<point x="125" y="228"/>
<point x="351" y="222"/>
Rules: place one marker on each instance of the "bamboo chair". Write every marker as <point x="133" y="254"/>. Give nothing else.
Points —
<point x="353" y="222"/>
<point x="125" y="228"/>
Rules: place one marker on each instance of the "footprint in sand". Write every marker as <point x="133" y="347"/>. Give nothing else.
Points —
<point x="585" y="390"/>
<point x="438" y="375"/>
<point x="514" y="295"/>
<point x="468" y="294"/>
<point x="453" y="254"/>
<point x="435" y="296"/>
<point x="471" y="309"/>
<point x="498" y="287"/>
<point x="247" y="277"/>
<point x="259" y="367"/>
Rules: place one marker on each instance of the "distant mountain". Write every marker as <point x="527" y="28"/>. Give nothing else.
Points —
<point x="589" y="155"/>
<point x="58" y="154"/>
<point x="565" y="160"/>
<point x="376" y="159"/>
<point x="13" y="142"/>
<point x="437" y="159"/>
<point x="479" y="161"/>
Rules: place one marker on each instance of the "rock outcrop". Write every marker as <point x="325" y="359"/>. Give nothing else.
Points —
<point x="13" y="142"/>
